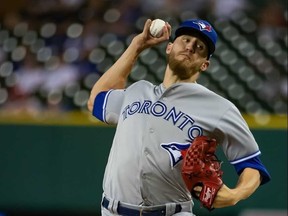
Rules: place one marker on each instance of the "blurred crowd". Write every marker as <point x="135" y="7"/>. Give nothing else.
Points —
<point x="51" y="53"/>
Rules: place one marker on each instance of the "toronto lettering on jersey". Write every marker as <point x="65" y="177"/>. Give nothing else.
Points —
<point x="158" y="109"/>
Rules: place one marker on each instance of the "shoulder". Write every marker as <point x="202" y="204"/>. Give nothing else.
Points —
<point x="142" y="84"/>
<point x="211" y="96"/>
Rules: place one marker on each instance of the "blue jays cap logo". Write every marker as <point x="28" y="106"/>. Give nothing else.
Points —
<point x="203" y="26"/>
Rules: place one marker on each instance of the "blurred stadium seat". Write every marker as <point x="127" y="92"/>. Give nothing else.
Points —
<point x="71" y="45"/>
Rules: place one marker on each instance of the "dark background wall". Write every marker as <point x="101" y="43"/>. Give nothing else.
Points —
<point x="58" y="170"/>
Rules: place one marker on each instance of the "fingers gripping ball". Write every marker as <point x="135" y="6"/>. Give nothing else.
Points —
<point x="156" y="28"/>
<point x="202" y="168"/>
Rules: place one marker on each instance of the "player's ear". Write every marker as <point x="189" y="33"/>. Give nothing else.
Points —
<point x="169" y="47"/>
<point x="204" y="65"/>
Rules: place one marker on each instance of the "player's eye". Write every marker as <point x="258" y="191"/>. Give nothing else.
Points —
<point x="186" y="39"/>
<point x="200" y="46"/>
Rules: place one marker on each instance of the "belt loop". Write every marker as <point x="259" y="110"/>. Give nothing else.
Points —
<point x="110" y="205"/>
<point x="170" y="209"/>
<point x="115" y="204"/>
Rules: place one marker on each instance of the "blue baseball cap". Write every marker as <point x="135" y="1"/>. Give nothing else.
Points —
<point x="202" y="27"/>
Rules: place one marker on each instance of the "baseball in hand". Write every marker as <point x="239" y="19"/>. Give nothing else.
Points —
<point x="156" y="28"/>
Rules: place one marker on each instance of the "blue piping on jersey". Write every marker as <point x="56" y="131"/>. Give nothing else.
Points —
<point x="245" y="158"/>
<point x="100" y="103"/>
<point x="254" y="163"/>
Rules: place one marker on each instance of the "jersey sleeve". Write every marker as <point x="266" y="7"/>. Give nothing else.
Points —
<point x="239" y="144"/>
<point x="107" y="106"/>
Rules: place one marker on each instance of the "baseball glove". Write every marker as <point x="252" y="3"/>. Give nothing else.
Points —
<point x="201" y="167"/>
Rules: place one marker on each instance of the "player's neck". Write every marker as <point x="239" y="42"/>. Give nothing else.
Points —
<point x="170" y="79"/>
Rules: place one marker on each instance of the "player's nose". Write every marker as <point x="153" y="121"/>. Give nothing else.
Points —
<point x="190" y="47"/>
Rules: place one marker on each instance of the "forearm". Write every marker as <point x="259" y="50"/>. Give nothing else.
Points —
<point x="248" y="182"/>
<point x="116" y="76"/>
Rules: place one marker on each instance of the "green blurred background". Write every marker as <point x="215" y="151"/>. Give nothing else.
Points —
<point x="53" y="153"/>
<point x="58" y="170"/>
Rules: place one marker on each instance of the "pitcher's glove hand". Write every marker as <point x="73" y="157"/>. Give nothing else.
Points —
<point x="201" y="167"/>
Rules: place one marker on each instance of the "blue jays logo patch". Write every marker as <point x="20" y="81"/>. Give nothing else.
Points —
<point x="174" y="151"/>
<point x="203" y="26"/>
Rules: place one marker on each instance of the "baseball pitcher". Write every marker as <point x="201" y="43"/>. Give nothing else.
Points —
<point x="163" y="152"/>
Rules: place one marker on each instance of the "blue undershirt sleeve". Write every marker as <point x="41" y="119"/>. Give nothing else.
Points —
<point x="99" y="104"/>
<point x="255" y="163"/>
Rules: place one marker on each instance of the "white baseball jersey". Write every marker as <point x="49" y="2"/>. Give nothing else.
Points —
<point x="154" y="125"/>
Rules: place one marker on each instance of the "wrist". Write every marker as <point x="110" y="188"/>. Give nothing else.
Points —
<point x="137" y="45"/>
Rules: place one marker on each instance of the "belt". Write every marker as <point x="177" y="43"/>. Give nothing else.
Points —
<point x="126" y="211"/>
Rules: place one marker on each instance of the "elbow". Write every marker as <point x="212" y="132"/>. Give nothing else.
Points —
<point x="90" y="105"/>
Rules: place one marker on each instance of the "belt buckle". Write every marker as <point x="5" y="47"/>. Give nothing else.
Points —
<point x="160" y="212"/>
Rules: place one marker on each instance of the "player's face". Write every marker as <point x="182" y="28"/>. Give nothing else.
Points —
<point x="187" y="56"/>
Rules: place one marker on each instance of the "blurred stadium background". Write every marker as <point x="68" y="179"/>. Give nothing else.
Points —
<point x="52" y="52"/>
